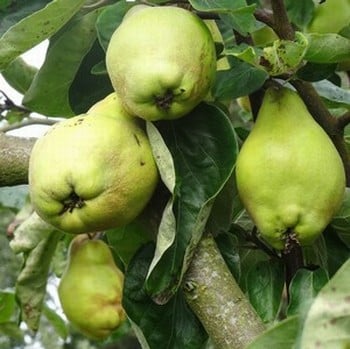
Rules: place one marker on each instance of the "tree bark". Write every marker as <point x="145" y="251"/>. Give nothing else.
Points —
<point x="14" y="159"/>
<point x="216" y="299"/>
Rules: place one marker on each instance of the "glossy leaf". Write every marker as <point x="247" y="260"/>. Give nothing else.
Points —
<point x="242" y="79"/>
<point x="19" y="74"/>
<point x="337" y="251"/>
<point x="172" y="325"/>
<point x="203" y="149"/>
<point x="304" y="288"/>
<point x="125" y="241"/>
<point x="330" y="314"/>
<point x="327" y="48"/>
<point x="88" y="88"/>
<point x="316" y="72"/>
<point x="300" y="12"/>
<point x="35" y="28"/>
<point x="283" y="335"/>
<point x="265" y="282"/>
<point x="49" y="92"/>
<point x="14" y="11"/>
<point x="237" y="14"/>
<point x="109" y="19"/>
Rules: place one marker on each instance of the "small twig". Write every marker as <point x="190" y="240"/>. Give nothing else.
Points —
<point x="325" y="119"/>
<point x="343" y="120"/>
<point x="27" y="122"/>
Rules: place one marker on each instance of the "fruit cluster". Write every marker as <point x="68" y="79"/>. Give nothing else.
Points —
<point x="96" y="171"/>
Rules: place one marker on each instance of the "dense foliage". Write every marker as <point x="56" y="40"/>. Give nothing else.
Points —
<point x="177" y="291"/>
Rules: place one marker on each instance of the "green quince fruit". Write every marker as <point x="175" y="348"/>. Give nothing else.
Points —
<point x="94" y="171"/>
<point x="91" y="288"/>
<point x="162" y="62"/>
<point x="290" y="176"/>
<point x="331" y="16"/>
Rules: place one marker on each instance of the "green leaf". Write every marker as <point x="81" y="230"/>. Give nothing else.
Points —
<point x="38" y="244"/>
<point x="14" y="11"/>
<point x="11" y="330"/>
<point x="236" y="14"/>
<point x="327" y="48"/>
<point x="316" y="71"/>
<point x="172" y="325"/>
<point x="222" y="212"/>
<point x="7" y="306"/>
<point x="125" y="241"/>
<point x="35" y="28"/>
<point x="244" y="53"/>
<point x="19" y="75"/>
<point x="300" y="12"/>
<point x="15" y="196"/>
<point x="228" y="246"/>
<point x="241" y="80"/>
<point x="87" y="88"/>
<point x="330" y="314"/>
<point x="265" y="282"/>
<point x="341" y="221"/>
<point x="335" y="96"/>
<point x="109" y="19"/>
<point x="56" y="322"/>
<point x="203" y="149"/>
<point x="337" y="251"/>
<point x="283" y="335"/>
<point x="217" y="5"/>
<point x="304" y="288"/>
<point x="49" y="92"/>
<point x="285" y="56"/>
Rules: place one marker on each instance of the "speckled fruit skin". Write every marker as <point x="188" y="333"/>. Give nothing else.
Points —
<point x="162" y="62"/>
<point x="94" y="171"/>
<point x="290" y="177"/>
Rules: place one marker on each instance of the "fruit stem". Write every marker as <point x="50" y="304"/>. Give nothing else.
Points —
<point x="293" y="258"/>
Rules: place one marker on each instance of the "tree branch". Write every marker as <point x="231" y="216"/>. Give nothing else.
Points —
<point x="326" y="120"/>
<point x="30" y="120"/>
<point x="215" y="297"/>
<point x="14" y="159"/>
<point x="282" y="26"/>
<point x="343" y="120"/>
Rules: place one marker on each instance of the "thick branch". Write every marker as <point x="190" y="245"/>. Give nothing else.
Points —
<point x="215" y="297"/>
<point x="282" y="26"/>
<point x="14" y="159"/>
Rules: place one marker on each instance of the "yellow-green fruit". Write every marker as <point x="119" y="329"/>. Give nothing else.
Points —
<point x="162" y="62"/>
<point x="330" y="17"/>
<point x="289" y="175"/>
<point x="92" y="172"/>
<point x="91" y="288"/>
